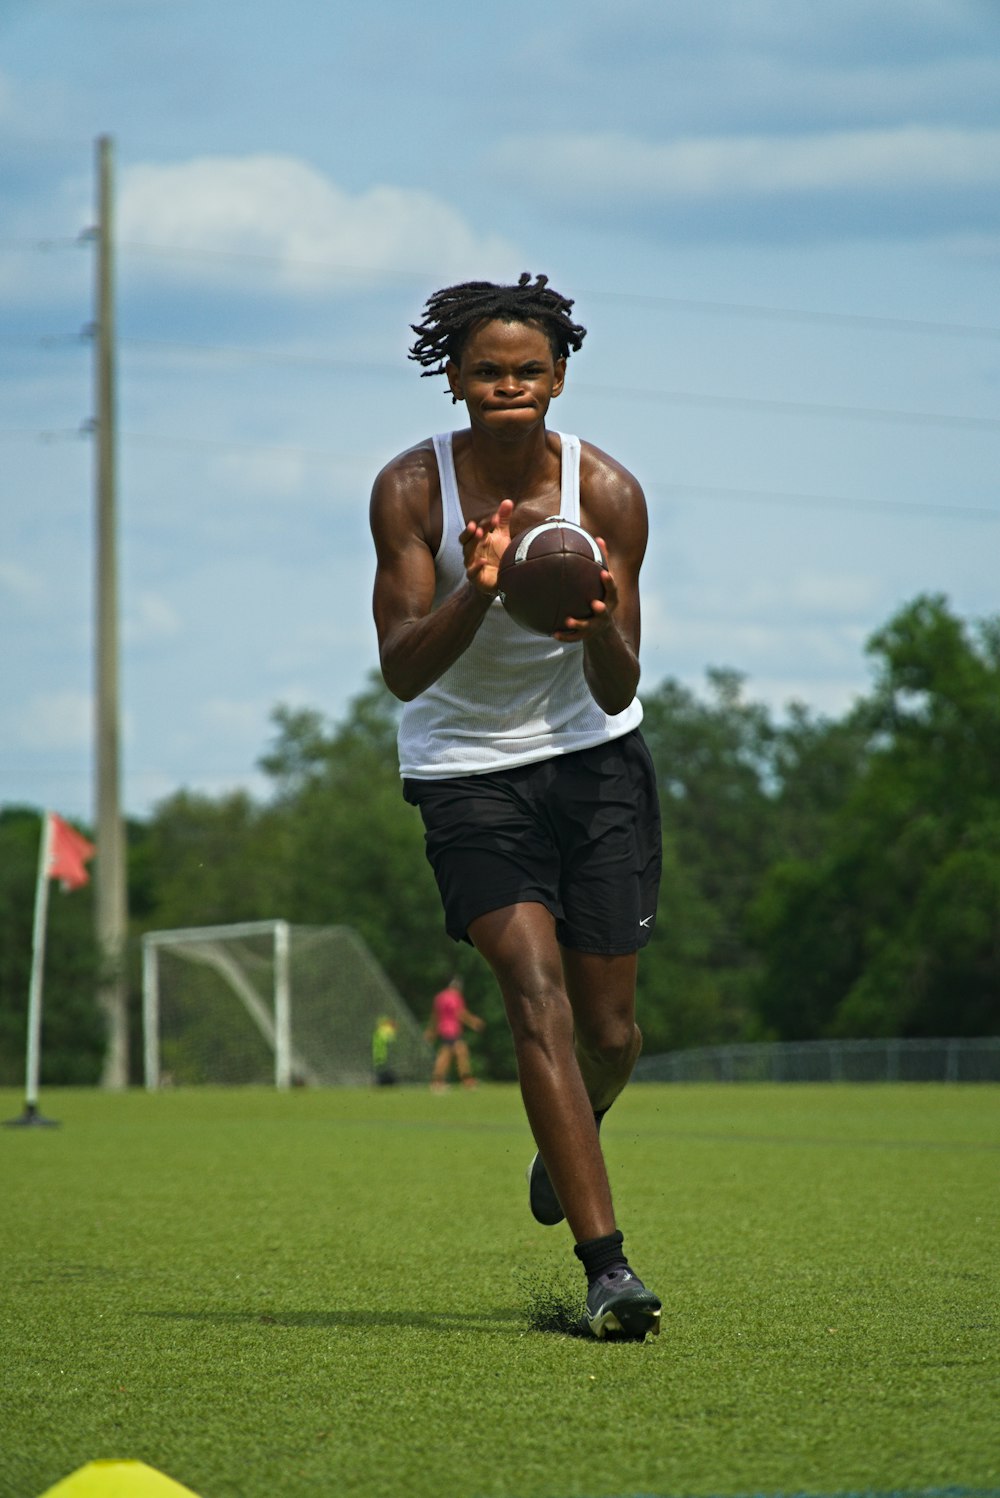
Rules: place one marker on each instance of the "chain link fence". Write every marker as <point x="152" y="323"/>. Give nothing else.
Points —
<point x="957" y="1060"/>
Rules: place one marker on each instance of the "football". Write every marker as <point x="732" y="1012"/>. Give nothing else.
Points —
<point x="550" y="573"/>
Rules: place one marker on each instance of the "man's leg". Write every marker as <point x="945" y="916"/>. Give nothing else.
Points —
<point x="601" y="992"/>
<point x="607" y="1042"/>
<point x="519" y="943"/>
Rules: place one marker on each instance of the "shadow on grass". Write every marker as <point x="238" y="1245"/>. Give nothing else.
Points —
<point x="547" y="1316"/>
<point x="363" y="1320"/>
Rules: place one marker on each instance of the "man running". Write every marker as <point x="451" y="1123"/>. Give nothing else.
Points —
<point x="523" y="752"/>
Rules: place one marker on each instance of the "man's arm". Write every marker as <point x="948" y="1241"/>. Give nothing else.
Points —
<point x="614" y="509"/>
<point x="418" y="643"/>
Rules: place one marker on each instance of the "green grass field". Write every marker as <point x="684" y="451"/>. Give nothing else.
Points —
<point x="334" y="1293"/>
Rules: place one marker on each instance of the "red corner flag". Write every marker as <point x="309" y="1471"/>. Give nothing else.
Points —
<point x="68" y="853"/>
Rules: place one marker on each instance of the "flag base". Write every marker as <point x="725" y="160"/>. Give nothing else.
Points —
<point x="31" y="1119"/>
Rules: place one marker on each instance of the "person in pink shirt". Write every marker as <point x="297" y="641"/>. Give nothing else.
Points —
<point x="449" y="1017"/>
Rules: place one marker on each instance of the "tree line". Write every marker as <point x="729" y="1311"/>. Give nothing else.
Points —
<point x="822" y="877"/>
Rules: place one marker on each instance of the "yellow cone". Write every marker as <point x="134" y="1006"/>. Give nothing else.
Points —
<point x="118" y="1480"/>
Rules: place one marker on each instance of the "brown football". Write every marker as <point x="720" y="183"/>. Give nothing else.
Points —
<point x="549" y="574"/>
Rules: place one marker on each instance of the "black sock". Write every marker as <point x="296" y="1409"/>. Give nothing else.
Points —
<point x="598" y="1255"/>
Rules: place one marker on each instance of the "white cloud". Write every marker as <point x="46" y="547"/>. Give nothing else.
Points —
<point x="244" y="719"/>
<point x="56" y="720"/>
<point x="831" y="697"/>
<point x="6" y="99"/>
<point x="973" y="246"/>
<point x="710" y="167"/>
<point x="283" y="209"/>
<point x="842" y="595"/>
<point x="150" y="617"/>
<point x="759" y="648"/>
<point x="20" y="583"/>
<point x="816" y="597"/>
<point x="268" y="472"/>
<point x="154" y="786"/>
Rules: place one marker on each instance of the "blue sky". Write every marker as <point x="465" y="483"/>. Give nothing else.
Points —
<point x="780" y="223"/>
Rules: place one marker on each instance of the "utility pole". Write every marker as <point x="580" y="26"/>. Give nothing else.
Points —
<point x="110" y="899"/>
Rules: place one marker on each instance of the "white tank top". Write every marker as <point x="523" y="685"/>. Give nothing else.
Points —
<point x="512" y="697"/>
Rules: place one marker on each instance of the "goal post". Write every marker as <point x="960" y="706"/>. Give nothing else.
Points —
<point x="269" y="1002"/>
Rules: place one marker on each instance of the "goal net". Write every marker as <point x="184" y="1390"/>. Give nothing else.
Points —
<point x="269" y="1002"/>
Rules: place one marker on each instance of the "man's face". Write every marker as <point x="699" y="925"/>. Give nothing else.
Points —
<point x="507" y="376"/>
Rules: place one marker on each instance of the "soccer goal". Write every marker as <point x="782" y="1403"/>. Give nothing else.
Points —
<point x="269" y="1002"/>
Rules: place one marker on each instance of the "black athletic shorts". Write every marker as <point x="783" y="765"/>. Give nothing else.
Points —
<point x="579" y="834"/>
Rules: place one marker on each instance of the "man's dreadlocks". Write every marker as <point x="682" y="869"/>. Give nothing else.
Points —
<point x="451" y="314"/>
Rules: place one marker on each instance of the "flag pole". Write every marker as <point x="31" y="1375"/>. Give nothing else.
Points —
<point x="31" y="1114"/>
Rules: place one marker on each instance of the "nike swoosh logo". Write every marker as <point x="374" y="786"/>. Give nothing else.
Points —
<point x="646" y="920"/>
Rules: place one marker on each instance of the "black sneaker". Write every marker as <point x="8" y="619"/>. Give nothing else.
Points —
<point x="542" y="1199"/>
<point x="620" y="1308"/>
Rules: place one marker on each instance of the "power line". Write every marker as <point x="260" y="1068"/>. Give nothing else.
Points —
<point x="666" y="397"/>
<point x="47" y="340"/>
<point x="53" y="242"/>
<point x="794" y="498"/>
<point x="791" y="314"/>
<point x="798" y="408"/>
<point x="54" y="434"/>
<point x="885" y="324"/>
<point x="830" y="501"/>
<point x="207" y="444"/>
<point x="766" y="313"/>
<point x="268" y="356"/>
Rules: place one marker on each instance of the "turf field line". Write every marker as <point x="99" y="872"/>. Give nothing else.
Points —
<point x="434" y="1126"/>
<point x="951" y="1492"/>
<point x="799" y="1142"/>
<point x="701" y="1136"/>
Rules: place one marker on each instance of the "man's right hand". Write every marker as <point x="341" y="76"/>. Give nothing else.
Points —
<point x="483" y="544"/>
